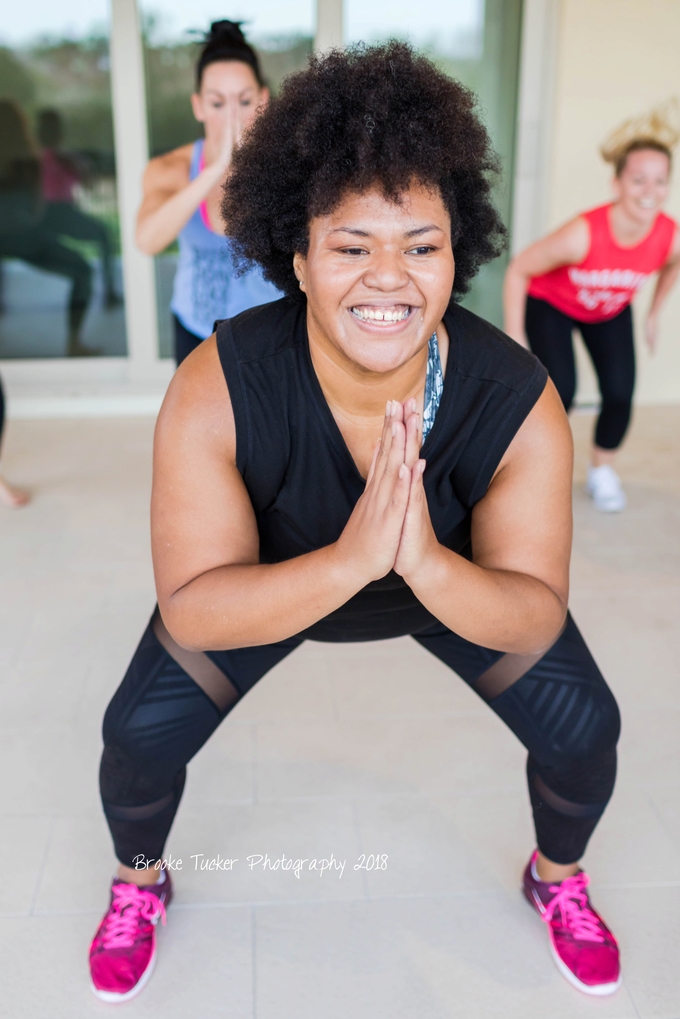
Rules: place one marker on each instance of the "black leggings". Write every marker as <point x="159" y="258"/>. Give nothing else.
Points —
<point x="185" y="341"/>
<point x="171" y="701"/>
<point x="612" y="351"/>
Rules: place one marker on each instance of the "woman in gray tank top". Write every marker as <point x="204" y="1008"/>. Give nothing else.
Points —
<point x="182" y="193"/>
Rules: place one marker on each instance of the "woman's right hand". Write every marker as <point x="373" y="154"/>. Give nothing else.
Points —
<point x="370" y="541"/>
<point x="233" y="130"/>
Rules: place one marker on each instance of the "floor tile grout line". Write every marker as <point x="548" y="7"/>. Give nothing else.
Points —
<point x="41" y="870"/>
<point x="659" y="816"/>
<point x="360" y="845"/>
<point x="253" y="953"/>
<point x="253" y="762"/>
<point x="335" y="710"/>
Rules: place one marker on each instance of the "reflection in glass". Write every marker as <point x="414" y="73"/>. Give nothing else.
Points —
<point x="283" y="36"/>
<point x="60" y="273"/>
<point x="477" y="42"/>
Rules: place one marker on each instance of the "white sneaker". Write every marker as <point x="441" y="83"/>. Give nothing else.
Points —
<point x="604" y="485"/>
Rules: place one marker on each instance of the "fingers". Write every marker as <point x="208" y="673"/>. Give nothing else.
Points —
<point x="371" y="469"/>
<point x="417" y="489"/>
<point x="393" y="414"/>
<point x="413" y="433"/>
<point x="395" y="453"/>
<point x="400" y="493"/>
<point x="387" y="482"/>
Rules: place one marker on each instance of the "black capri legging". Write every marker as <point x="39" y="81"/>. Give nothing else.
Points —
<point x="171" y="701"/>
<point x="612" y="351"/>
<point x="185" y="341"/>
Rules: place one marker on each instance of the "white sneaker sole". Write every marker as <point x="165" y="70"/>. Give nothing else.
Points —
<point x="113" y="997"/>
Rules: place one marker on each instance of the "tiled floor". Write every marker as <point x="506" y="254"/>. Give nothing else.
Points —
<point x="342" y="750"/>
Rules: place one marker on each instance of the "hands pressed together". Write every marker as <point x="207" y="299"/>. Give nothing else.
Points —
<point x="390" y="527"/>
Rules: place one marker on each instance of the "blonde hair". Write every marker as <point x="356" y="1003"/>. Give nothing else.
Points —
<point x="659" y="129"/>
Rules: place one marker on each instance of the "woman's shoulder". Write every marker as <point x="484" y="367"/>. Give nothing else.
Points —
<point x="170" y="171"/>
<point x="263" y="331"/>
<point x="197" y="406"/>
<point x="485" y="353"/>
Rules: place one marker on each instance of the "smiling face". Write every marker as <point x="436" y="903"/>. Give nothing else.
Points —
<point x="642" y="185"/>
<point x="378" y="276"/>
<point x="227" y="85"/>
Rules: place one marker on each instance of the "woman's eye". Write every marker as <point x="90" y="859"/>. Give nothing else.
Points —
<point x="352" y="251"/>
<point x="422" y="249"/>
<point x="246" y="102"/>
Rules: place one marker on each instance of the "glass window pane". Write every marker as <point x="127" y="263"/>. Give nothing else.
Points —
<point x="282" y="34"/>
<point x="476" y="42"/>
<point x="60" y="268"/>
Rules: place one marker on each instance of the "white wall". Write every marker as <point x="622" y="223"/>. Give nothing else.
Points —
<point x="615" y="59"/>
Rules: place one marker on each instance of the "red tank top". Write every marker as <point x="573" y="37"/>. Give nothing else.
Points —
<point x="609" y="276"/>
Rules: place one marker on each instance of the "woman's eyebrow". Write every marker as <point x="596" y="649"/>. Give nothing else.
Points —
<point x="350" y="230"/>
<point x="356" y="232"/>
<point x="422" y="230"/>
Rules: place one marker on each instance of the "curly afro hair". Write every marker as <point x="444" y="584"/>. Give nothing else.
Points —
<point x="355" y="119"/>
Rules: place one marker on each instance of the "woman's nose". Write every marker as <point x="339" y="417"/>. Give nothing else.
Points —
<point x="386" y="271"/>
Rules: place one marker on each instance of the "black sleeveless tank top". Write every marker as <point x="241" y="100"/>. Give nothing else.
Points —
<point x="302" y="480"/>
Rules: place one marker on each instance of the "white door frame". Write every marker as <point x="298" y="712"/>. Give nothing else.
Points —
<point x="535" y="115"/>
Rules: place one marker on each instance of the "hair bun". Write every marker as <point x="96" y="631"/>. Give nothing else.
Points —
<point x="226" y="34"/>
<point x="660" y="126"/>
<point x="226" y="41"/>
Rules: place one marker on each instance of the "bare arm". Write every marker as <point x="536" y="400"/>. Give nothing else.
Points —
<point x="170" y="198"/>
<point x="213" y="592"/>
<point x="664" y="285"/>
<point x="566" y="246"/>
<point x="513" y="596"/>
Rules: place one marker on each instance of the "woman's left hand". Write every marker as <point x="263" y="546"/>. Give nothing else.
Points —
<point x="418" y="545"/>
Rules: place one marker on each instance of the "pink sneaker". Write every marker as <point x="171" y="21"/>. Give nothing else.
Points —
<point x="123" y="952"/>
<point x="582" y="945"/>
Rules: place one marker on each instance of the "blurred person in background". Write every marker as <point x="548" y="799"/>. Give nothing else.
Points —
<point x="9" y="494"/>
<point x="61" y="174"/>
<point x="24" y="233"/>
<point x="183" y="192"/>
<point x="585" y="275"/>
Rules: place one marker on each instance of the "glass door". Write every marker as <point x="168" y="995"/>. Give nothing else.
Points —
<point x="61" y="291"/>
<point x="283" y="36"/>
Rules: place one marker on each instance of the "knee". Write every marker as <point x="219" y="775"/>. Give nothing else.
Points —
<point x="618" y="395"/>
<point x="593" y="731"/>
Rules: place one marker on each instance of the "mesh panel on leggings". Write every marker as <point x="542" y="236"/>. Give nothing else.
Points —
<point x="565" y="715"/>
<point x="562" y="709"/>
<point x="157" y="720"/>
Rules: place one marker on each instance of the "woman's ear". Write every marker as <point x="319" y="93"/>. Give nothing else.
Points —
<point x="299" y="266"/>
<point x="197" y="107"/>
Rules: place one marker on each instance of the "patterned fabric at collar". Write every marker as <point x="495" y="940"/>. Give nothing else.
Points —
<point x="434" y="385"/>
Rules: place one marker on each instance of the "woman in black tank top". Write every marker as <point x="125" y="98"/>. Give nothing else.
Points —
<point x="294" y="495"/>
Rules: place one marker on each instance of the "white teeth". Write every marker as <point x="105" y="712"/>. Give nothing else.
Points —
<point x="381" y="314"/>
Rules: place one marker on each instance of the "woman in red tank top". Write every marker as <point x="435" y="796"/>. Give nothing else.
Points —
<point x="584" y="276"/>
